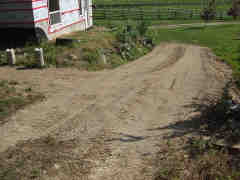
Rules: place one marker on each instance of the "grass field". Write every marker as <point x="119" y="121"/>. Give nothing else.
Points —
<point x="155" y="1"/>
<point x="223" y="40"/>
<point x="222" y="4"/>
<point x="179" y="11"/>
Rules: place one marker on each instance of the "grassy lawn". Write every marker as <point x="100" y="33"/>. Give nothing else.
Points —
<point x="153" y="1"/>
<point x="184" y="4"/>
<point x="221" y="39"/>
<point x="157" y="14"/>
<point x="158" y="22"/>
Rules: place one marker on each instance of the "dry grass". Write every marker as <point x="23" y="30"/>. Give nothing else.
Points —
<point x="14" y="96"/>
<point x="197" y="158"/>
<point x="48" y="158"/>
<point x="188" y="160"/>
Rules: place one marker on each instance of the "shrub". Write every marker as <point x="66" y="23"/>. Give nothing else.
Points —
<point x="50" y="52"/>
<point x="234" y="11"/>
<point x="209" y="12"/>
<point x="143" y="27"/>
<point x="92" y="56"/>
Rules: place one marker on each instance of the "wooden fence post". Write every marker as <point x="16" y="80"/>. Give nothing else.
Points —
<point x="175" y="14"/>
<point x="40" y="57"/>
<point x="142" y="14"/>
<point x="123" y="14"/>
<point x="11" y="57"/>
<point x="159" y="14"/>
<point x="104" y="14"/>
<point x="169" y="13"/>
<point x="221" y="15"/>
<point x="191" y="14"/>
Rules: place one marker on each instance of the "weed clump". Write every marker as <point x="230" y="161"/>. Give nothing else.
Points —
<point x="13" y="98"/>
<point x="196" y="160"/>
<point x="209" y="12"/>
<point x="3" y="58"/>
<point x="133" y="41"/>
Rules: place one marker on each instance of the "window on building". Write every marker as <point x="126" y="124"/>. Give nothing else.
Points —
<point x="54" y="11"/>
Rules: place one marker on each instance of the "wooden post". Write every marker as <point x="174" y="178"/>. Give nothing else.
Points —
<point x="221" y="15"/>
<point x="104" y="14"/>
<point x="123" y="14"/>
<point x="39" y="56"/>
<point x="142" y="14"/>
<point x="11" y="57"/>
<point x="159" y="14"/>
<point x="175" y="14"/>
<point x="191" y="14"/>
<point x="103" y="58"/>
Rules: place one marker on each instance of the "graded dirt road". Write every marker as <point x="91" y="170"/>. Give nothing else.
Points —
<point x="127" y="107"/>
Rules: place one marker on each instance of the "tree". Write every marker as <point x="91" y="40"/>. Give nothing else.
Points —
<point x="234" y="11"/>
<point x="209" y="12"/>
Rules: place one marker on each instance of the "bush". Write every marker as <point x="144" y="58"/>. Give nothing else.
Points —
<point x="143" y="27"/>
<point x="234" y="11"/>
<point x="92" y="56"/>
<point x="209" y="12"/>
<point x="50" y="53"/>
<point x="132" y="32"/>
<point x="133" y="40"/>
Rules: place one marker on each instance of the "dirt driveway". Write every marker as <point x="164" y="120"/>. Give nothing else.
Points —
<point x="127" y="107"/>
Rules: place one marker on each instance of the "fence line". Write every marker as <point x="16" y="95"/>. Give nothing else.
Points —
<point x="158" y="14"/>
<point x="115" y="5"/>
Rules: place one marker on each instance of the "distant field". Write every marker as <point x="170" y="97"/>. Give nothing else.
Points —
<point x="156" y="11"/>
<point x="160" y="4"/>
<point x="155" y="1"/>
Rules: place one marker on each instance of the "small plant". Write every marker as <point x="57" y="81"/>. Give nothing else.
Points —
<point x="12" y="82"/>
<point x="91" y="56"/>
<point x="50" y="53"/>
<point x="28" y="89"/>
<point x="143" y="28"/>
<point x="132" y="40"/>
<point x="3" y="83"/>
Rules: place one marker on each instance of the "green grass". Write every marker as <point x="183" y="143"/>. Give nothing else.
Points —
<point x="158" y="22"/>
<point x="224" y="4"/>
<point x="221" y="39"/>
<point x="152" y="1"/>
<point x="157" y="14"/>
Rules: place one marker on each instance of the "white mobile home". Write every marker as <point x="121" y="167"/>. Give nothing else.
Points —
<point x="49" y="18"/>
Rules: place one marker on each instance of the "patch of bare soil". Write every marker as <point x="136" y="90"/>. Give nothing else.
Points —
<point x="128" y="109"/>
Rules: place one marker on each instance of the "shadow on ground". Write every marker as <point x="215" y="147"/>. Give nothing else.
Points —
<point x="218" y="118"/>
